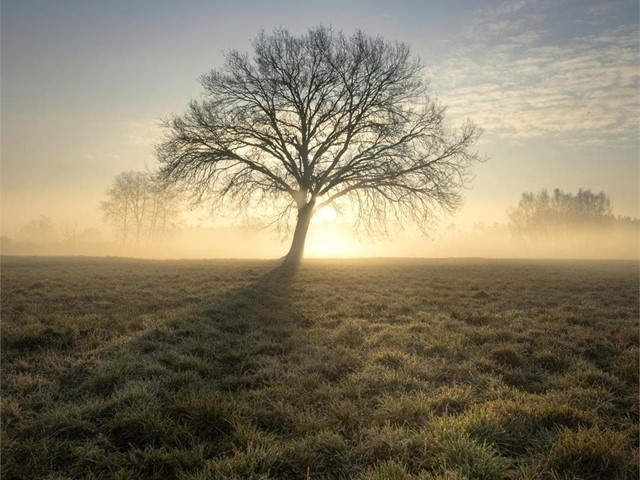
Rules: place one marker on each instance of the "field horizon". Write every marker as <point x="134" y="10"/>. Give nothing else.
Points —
<point x="385" y="368"/>
<point x="320" y="259"/>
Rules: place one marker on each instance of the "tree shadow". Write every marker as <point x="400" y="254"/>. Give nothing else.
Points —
<point x="189" y="381"/>
<point x="218" y="345"/>
<point x="267" y="299"/>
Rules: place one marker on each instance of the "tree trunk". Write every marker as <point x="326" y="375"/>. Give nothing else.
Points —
<point x="296" y="252"/>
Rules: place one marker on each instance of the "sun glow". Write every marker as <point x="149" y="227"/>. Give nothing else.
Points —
<point x="329" y="242"/>
<point x="330" y="237"/>
<point x="326" y="215"/>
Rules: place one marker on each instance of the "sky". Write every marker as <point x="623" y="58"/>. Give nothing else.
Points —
<point x="553" y="83"/>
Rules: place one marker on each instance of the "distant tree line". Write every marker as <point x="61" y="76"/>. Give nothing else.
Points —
<point x="44" y="230"/>
<point x="141" y="210"/>
<point x="543" y="214"/>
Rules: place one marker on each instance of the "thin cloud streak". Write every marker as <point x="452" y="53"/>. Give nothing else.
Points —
<point x="583" y="90"/>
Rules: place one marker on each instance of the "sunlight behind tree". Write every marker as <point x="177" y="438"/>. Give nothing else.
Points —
<point x="308" y="121"/>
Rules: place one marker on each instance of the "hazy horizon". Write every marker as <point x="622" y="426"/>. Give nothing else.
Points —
<point x="554" y="85"/>
<point x="336" y="241"/>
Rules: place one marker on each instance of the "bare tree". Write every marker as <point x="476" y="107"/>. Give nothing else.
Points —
<point x="69" y="231"/>
<point x="116" y="208"/>
<point x="541" y="214"/>
<point x="140" y="208"/>
<point x="40" y="230"/>
<point x="164" y="210"/>
<point x="308" y="120"/>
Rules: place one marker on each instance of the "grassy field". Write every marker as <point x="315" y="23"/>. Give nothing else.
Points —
<point x="398" y="369"/>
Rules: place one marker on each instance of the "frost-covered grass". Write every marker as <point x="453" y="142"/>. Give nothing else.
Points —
<point x="395" y="369"/>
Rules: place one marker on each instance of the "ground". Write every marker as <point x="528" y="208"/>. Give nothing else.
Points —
<point x="386" y="369"/>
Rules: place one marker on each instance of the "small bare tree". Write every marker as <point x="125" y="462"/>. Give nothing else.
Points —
<point x="308" y="120"/>
<point x="164" y="210"/>
<point x="40" y="230"/>
<point x="140" y="208"/>
<point x="69" y="231"/>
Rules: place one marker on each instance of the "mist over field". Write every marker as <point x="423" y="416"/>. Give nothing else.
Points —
<point x="339" y="241"/>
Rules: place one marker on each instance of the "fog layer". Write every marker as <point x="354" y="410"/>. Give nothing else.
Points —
<point x="330" y="240"/>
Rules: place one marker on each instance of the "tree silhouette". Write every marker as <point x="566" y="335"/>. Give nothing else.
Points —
<point x="308" y="120"/>
<point x="41" y="230"/>
<point x="541" y="214"/>
<point x="140" y="208"/>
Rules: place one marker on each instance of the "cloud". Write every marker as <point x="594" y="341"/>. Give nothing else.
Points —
<point x="604" y="8"/>
<point x="516" y="75"/>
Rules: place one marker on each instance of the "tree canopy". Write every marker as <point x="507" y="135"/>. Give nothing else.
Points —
<point x="306" y="121"/>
